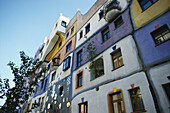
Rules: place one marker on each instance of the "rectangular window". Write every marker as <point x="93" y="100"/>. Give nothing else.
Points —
<point x="42" y="103"/>
<point x="105" y="34"/>
<point x="81" y="34"/>
<point x="68" y="47"/>
<point x="101" y="14"/>
<point x="42" y="84"/>
<point x="161" y="34"/>
<point x="117" y="59"/>
<point x="97" y="68"/>
<point x="53" y="76"/>
<point x="87" y="28"/>
<point x="79" y="58"/>
<point x="61" y="91"/>
<point x="63" y="23"/>
<point x="146" y="3"/>
<point x="72" y="30"/>
<point x="118" y="22"/>
<point x="83" y="107"/>
<point x="116" y="102"/>
<point x="136" y="100"/>
<point x="39" y="101"/>
<point x="66" y="63"/>
<point x="67" y="35"/>
<point x="60" y="44"/>
<point x="45" y="86"/>
<point x="167" y="90"/>
<point x="79" y="79"/>
<point x="38" y="87"/>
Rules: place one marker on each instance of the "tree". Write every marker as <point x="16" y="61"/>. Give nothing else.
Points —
<point x="19" y="94"/>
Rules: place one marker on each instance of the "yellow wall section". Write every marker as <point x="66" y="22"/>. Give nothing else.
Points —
<point x="62" y="38"/>
<point x="141" y="17"/>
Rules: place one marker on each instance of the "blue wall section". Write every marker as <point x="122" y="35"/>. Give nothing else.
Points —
<point x="150" y="53"/>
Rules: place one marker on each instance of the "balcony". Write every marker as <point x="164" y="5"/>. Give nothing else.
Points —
<point x="111" y="10"/>
<point x="56" y="62"/>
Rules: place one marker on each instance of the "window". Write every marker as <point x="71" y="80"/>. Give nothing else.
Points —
<point x="38" y="87"/>
<point x="53" y="76"/>
<point x="118" y="22"/>
<point x="42" y="84"/>
<point x="83" y="107"/>
<point x="42" y="103"/>
<point x="72" y="30"/>
<point x="136" y="100"/>
<point x="66" y="63"/>
<point x="60" y="44"/>
<point x="87" y="28"/>
<point x="61" y="91"/>
<point x="101" y="14"/>
<point x="48" y="67"/>
<point x="117" y="59"/>
<point x="79" y="58"/>
<point x="81" y="34"/>
<point x="105" y="34"/>
<point x="39" y="101"/>
<point x="116" y="102"/>
<point x="97" y="68"/>
<point x="67" y="35"/>
<point x="79" y="79"/>
<point x="68" y="47"/>
<point x="63" y="23"/>
<point x="146" y="3"/>
<point x="45" y="84"/>
<point x="161" y="34"/>
<point x="167" y="90"/>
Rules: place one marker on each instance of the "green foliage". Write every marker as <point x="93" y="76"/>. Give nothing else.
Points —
<point x="19" y="94"/>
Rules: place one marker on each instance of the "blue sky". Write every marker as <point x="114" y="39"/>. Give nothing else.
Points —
<point x="25" y="23"/>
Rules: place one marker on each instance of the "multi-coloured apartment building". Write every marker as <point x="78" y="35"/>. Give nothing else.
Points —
<point x="113" y="59"/>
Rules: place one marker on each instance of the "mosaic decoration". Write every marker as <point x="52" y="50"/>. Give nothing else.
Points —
<point x="114" y="47"/>
<point x="68" y="80"/>
<point x="114" y="89"/>
<point x="82" y="99"/>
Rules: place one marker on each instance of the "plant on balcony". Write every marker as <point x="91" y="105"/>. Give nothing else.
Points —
<point x="114" y="4"/>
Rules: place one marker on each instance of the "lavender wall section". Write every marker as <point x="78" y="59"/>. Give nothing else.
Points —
<point x="42" y="90"/>
<point x="116" y="34"/>
<point x="151" y="54"/>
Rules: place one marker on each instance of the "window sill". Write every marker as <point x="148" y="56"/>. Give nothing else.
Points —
<point x="117" y="67"/>
<point x="78" y="67"/>
<point x="139" y="111"/>
<point x="101" y="18"/>
<point x="161" y="43"/>
<point x="105" y="40"/>
<point x="86" y="33"/>
<point x="118" y="26"/>
<point x="79" y="87"/>
<point x="80" y="38"/>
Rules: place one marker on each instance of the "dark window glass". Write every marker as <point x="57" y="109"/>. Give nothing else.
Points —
<point x="161" y="34"/>
<point x="97" y="68"/>
<point x="83" y="107"/>
<point x="79" y="79"/>
<point x="118" y="22"/>
<point x="68" y="47"/>
<point x="42" y="84"/>
<point x="61" y="91"/>
<point x="136" y="100"/>
<point x="87" y="28"/>
<point x="67" y="35"/>
<point x="105" y="34"/>
<point x="167" y="90"/>
<point x="101" y="14"/>
<point x="45" y="86"/>
<point x="81" y="34"/>
<point x="66" y="64"/>
<point x="63" y="23"/>
<point x="79" y="58"/>
<point x="72" y="30"/>
<point x="53" y="76"/>
<point x="60" y="44"/>
<point x="146" y="3"/>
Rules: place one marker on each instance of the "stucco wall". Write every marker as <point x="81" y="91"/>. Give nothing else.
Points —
<point x="97" y="100"/>
<point x="158" y="75"/>
<point x="151" y="54"/>
<point x="130" y="59"/>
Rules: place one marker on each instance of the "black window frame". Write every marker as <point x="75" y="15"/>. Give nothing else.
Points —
<point x="81" y="34"/>
<point x="106" y="33"/>
<point x="161" y="32"/>
<point x="61" y="90"/>
<point x="87" y="28"/>
<point x="118" y="22"/>
<point x="68" y="47"/>
<point x="66" y="63"/>
<point x="63" y="23"/>
<point x="101" y="14"/>
<point x="60" y="44"/>
<point x="79" y="80"/>
<point x="145" y="2"/>
<point x="53" y="76"/>
<point x="72" y="30"/>
<point x="80" y="58"/>
<point x="67" y="35"/>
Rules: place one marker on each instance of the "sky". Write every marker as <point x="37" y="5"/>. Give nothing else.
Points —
<point x="25" y="23"/>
